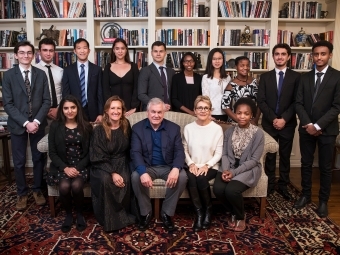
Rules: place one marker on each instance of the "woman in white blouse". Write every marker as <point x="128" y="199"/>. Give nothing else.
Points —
<point x="203" y="142"/>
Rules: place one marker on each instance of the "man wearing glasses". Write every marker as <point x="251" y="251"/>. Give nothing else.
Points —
<point x="26" y="99"/>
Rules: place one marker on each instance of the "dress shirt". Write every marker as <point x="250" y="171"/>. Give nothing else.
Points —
<point x="86" y="68"/>
<point x="278" y="75"/>
<point x="159" y="71"/>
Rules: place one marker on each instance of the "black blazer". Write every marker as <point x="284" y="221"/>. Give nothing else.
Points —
<point x="267" y="98"/>
<point x="57" y="149"/>
<point x="71" y="85"/>
<point x="326" y="107"/>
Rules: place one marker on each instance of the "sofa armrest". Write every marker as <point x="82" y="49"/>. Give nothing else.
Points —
<point x="270" y="145"/>
<point x="42" y="145"/>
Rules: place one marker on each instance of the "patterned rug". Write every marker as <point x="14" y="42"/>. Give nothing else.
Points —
<point x="283" y="231"/>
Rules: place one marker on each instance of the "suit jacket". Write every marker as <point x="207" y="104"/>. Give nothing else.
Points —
<point x="71" y="85"/>
<point x="15" y="98"/>
<point x="326" y="107"/>
<point x="267" y="99"/>
<point x="141" y="144"/>
<point x="57" y="149"/>
<point x="150" y="84"/>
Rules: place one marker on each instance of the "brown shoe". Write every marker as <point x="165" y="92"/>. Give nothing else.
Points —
<point x="21" y="203"/>
<point x="39" y="198"/>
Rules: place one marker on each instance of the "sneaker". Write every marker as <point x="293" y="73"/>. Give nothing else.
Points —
<point x="39" y="198"/>
<point x="21" y="203"/>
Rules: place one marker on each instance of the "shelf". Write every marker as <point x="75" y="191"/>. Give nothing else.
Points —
<point x="112" y="19"/>
<point x="186" y="47"/>
<point x="243" y="19"/>
<point x="286" y="20"/>
<point x="110" y="47"/>
<point x="244" y="47"/>
<point x="251" y="70"/>
<point x="187" y="19"/>
<point x="301" y="48"/>
<point x="3" y="70"/>
<point x="49" y="20"/>
<point x="12" y="20"/>
<point x="7" y="48"/>
<point x="301" y="70"/>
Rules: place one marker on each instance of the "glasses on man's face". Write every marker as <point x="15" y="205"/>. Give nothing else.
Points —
<point x="203" y="109"/>
<point x="188" y="61"/>
<point x="24" y="53"/>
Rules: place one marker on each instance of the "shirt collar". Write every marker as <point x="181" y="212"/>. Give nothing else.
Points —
<point x="157" y="65"/>
<point x="278" y="70"/>
<point x="323" y="70"/>
<point x="148" y="125"/>
<point x="86" y="64"/>
<point x="44" y="63"/>
<point x="22" y="69"/>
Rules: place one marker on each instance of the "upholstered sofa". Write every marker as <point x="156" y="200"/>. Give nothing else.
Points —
<point x="158" y="190"/>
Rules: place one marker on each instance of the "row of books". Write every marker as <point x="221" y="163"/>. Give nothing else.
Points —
<point x="67" y="37"/>
<point x="132" y="37"/>
<point x="286" y="36"/>
<point x="61" y="59"/>
<point x="7" y="60"/>
<point x="49" y="9"/>
<point x="120" y="8"/>
<point x="12" y="9"/>
<point x="102" y="58"/>
<point x="183" y="8"/>
<point x="9" y="38"/>
<point x="183" y="37"/>
<point x="301" y="61"/>
<point x="244" y="9"/>
<point x="173" y="59"/>
<point x="258" y="60"/>
<point x="232" y="37"/>
<point x="303" y="9"/>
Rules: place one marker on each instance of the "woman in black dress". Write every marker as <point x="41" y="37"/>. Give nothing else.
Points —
<point x="120" y="77"/>
<point x="110" y="174"/>
<point x="186" y="85"/>
<point x="68" y="145"/>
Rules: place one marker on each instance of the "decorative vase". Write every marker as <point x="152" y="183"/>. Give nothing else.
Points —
<point x="22" y="36"/>
<point x="301" y="38"/>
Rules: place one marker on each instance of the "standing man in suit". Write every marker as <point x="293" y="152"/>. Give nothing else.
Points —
<point x="26" y="98"/>
<point x="83" y="80"/>
<point x="157" y="153"/>
<point x="155" y="80"/>
<point x="318" y="107"/>
<point x="276" y="99"/>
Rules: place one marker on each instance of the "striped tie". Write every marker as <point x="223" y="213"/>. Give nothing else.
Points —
<point x="82" y="85"/>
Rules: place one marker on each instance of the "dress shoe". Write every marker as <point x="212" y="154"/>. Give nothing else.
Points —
<point x="145" y="221"/>
<point x="167" y="222"/>
<point x="285" y="194"/>
<point x="322" y="210"/>
<point x="39" y="198"/>
<point x="21" y="203"/>
<point x="302" y="202"/>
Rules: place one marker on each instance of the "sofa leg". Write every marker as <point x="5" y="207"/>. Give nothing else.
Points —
<point x="52" y="205"/>
<point x="263" y="207"/>
<point x="157" y="208"/>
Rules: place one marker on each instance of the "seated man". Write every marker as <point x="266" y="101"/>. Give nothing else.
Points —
<point x="157" y="153"/>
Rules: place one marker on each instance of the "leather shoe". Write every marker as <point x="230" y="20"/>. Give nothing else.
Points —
<point x="285" y="194"/>
<point x="302" y="202"/>
<point x="322" y="210"/>
<point x="167" y="222"/>
<point x="145" y="221"/>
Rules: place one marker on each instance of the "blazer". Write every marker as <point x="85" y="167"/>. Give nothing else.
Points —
<point x="71" y="85"/>
<point x="249" y="169"/>
<point x="183" y="94"/>
<point x="326" y="107"/>
<point x="150" y="84"/>
<point x="57" y="149"/>
<point x="141" y="144"/>
<point x="15" y="98"/>
<point x="267" y="99"/>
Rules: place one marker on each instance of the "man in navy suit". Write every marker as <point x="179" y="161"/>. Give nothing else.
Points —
<point x="157" y="153"/>
<point x="276" y="99"/>
<point x="318" y="107"/>
<point x="26" y="98"/>
<point x="83" y="80"/>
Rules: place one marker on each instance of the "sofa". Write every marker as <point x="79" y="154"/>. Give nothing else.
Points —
<point x="158" y="190"/>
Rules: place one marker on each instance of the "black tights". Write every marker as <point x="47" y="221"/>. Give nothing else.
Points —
<point x="74" y="186"/>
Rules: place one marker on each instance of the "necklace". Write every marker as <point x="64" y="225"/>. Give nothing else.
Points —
<point x="242" y="80"/>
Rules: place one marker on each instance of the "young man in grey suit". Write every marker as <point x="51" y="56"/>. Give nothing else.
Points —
<point x="26" y="98"/>
<point x="155" y="80"/>
<point x="318" y="107"/>
<point x="276" y="99"/>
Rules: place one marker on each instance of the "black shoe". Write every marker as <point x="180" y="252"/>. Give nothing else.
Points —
<point x="302" y="202"/>
<point x="67" y="224"/>
<point x="199" y="219"/>
<point x="145" y="221"/>
<point x="285" y="194"/>
<point x="81" y="223"/>
<point x="322" y="210"/>
<point x="207" y="219"/>
<point x="167" y="222"/>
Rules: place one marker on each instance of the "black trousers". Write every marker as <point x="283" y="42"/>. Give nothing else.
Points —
<point x="200" y="182"/>
<point x="325" y="149"/>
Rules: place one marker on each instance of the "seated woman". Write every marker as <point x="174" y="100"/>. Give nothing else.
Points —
<point x="203" y="142"/>
<point x="68" y="146"/>
<point x="241" y="168"/>
<point x="110" y="174"/>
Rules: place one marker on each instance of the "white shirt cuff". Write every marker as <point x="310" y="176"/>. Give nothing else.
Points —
<point x="37" y="121"/>
<point x="317" y="127"/>
<point x="25" y="123"/>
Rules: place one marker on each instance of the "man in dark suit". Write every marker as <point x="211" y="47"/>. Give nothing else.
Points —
<point x="276" y="99"/>
<point x="157" y="153"/>
<point x="318" y="107"/>
<point x="26" y="98"/>
<point x="83" y="80"/>
<point x="155" y="80"/>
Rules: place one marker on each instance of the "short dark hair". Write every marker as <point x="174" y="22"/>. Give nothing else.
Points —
<point x="113" y="56"/>
<point x="247" y="101"/>
<point x="79" y="41"/>
<point x="47" y="41"/>
<point x="325" y="44"/>
<point x="191" y="55"/>
<point x="158" y="43"/>
<point x="23" y="43"/>
<point x="240" y="58"/>
<point x="282" y="46"/>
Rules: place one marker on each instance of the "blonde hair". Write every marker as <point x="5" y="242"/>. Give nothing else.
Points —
<point x="204" y="99"/>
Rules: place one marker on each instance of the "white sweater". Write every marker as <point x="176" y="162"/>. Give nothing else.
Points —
<point x="203" y="144"/>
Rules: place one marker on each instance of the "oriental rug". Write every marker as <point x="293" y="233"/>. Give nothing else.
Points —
<point x="283" y="231"/>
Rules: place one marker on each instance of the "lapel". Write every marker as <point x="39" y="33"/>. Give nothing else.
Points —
<point x="20" y="79"/>
<point x="33" y="77"/>
<point x="311" y="81"/>
<point x="272" y="78"/>
<point x="89" y="74"/>
<point x="148" y="139"/>
<point x="285" y="81"/>
<point x="76" y="73"/>
<point x="154" y="70"/>
<point x="164" y="140"/>
<point x="325" y="80"/>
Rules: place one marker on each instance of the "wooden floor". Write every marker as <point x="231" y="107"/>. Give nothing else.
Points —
<point x="333" y="203"/>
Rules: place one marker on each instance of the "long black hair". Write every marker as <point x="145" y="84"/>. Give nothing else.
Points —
<point x="209" y="70"/>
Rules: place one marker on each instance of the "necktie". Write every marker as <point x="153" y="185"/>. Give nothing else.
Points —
<point x="82" y="85"/>
<point x="165" y="87"/>
<point x="317" y="84"/>
<point x="54" y="95"/>
<point x="28" y="90"/>
<point x="279" y="88"/>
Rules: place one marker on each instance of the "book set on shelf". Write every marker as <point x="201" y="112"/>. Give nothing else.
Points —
<point x="61" y="58"/>
<point x="140" y="58"/>
<point x="183" y="8"/>
<point x="67" y="37"/>
<point x="120" y="8"/>
<point x="12" y="9"/>
<point x="183" y="37"/>
<point x="244" y="9"/>
<point x="7" y="60"/>
<point x="285" y="36"/>
<point x="232" y="37"/>
<point x="132" y="37"/>
<point x="301" y="61"/>
<point x="303" y="10"/>
<point x="49" y="9"/>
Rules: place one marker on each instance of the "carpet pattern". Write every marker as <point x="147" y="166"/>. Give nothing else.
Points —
<point x="283" y="231"/>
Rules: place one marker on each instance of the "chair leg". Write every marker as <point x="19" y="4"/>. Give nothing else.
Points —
<point x="157" y="208"/>
<point x="263" y="207"/>
<point x="52" y="205"/>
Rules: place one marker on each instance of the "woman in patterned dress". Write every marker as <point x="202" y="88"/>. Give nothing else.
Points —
<point x="241" y="86"/>
<point x="68" y="145"/>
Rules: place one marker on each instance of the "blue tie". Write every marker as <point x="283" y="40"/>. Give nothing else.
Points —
<point x="279" y="91"/>
<point x="82" y="85"/>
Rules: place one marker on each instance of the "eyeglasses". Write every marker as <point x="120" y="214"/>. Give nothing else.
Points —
<point x="203" y="109"/>
<point x="188" y="61"/>
<point x="23" y="53"/>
